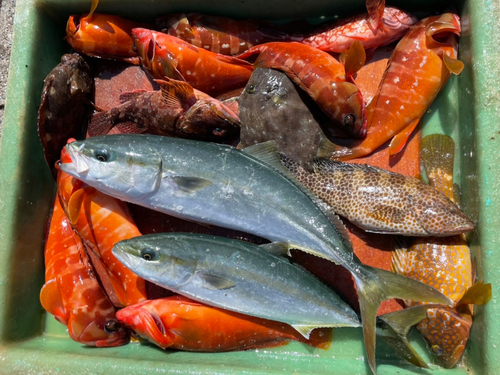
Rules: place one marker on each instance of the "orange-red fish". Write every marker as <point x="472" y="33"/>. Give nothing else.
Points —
<point x="101" y="221"/>
<point x="102" y="35"/>
<point x="72" y="293"/>
<point x="380" y="26"/>
<point x="324" y="79"/>
<point x="417" y="71"/>
<point x="445" y="264"/>
<point x="217" y="34"/>
<point x="180" y="323"/>
<point x="165" y="55"/>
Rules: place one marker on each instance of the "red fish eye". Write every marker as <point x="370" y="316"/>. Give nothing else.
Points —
<point x="349" y="120"/>
<point x="112" y="326"/>
<point x="218" y="132"/>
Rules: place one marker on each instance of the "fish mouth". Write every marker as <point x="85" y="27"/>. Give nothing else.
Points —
<point x="77" y="166"/>
<point x="126" y="256"/>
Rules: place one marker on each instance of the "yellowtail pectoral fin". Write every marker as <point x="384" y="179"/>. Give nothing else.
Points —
<point x="304" y="330"/>
<point x="353" y="59"/>
<point x="189" y="184"/>
<point x="399" y="141"/>
<point x="214" y="282"/>
<point x="454" y="66"/>
<point x="277" y="248"/>
<point x="477" y="294"/>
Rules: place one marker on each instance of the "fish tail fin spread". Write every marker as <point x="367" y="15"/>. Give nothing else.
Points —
<point x="374" y="286"/>
<point x="395" y="327"/>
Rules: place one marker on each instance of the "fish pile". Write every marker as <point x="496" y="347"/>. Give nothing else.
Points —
<point x="241" y="127"/>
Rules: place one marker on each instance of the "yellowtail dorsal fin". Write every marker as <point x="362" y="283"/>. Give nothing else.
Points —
<point x="277" y="248"/>
<point x="454" y="66"/>
<point x="400" y="139"/>
<point x="353" y="59"/>
<point x="305" y="330"/>
<point x="477" y="294"/>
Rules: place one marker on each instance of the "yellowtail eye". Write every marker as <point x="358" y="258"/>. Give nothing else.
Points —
<point x="101" y="155"/>
<point x="149" y="254"/>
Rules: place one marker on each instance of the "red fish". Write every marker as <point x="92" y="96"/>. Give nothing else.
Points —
<point x="217" y="34"/>
<point x="180" y="323"/>
<point x="381" y="26"/>
<point x="417" y="71"/>
<point x="445" y="264"/>
<point x="72" y="293"/>
<point x="167" y="56"/>
<point x="174" y="110"/>
<point x="101" y="221"/>
<point x="324" y="79"/>
<point x="102" y="35"/>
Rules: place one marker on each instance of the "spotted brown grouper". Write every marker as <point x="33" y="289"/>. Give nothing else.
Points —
<point x="381" y="201"/>
<point x="445" y="264"/>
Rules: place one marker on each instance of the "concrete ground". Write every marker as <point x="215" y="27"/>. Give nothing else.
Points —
<point x="7" y="8"/>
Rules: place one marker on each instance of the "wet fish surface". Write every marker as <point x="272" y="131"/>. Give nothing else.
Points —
<point x="272" y="107"/>
<point x="246" y="190"/>
<point x="381" y="201"/>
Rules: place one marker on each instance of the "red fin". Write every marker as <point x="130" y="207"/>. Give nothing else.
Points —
<point x="100" y="124"/>
<point x="152" y="330"/>
<point x="375" y="10"/>
<point x="477" y="294"/>
<point x="93" y="7"/>
<point x="177" y="94"/>
<point x="129" y="95"/>
<point x="353" y="59"/>
<point x="128" y="128"/>
<point x="74" y="205"/>
<point x="50" y="297"/>
<point x="399" y="141"/>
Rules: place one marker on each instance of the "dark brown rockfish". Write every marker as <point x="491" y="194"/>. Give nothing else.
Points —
<point x="381" y="201"/>
<point x="174" y="110"/>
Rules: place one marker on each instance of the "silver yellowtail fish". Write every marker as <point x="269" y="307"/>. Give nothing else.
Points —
<point x="247" y="190"/>
<point x="247" y="278"/>
<point x="381" y="201"/>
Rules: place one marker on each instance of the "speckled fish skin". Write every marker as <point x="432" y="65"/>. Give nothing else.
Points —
<point x="64" y="109"/>
<point x="417" y="71"/>
<point x="236" y="276"/>
<point x="321" y="76"/>
<point x="381" y="201"/>
<point x="180" y="323"/>
<point x="174" y="110"/>
<point x="217" y="184"/>
<point x="444" y="263"/>
<point x="72" y="293"/>
<point x="339" y="36"/>
<point x="272" y="108"/>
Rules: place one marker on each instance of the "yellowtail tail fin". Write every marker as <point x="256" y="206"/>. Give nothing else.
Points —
<point x="375" y="286"/>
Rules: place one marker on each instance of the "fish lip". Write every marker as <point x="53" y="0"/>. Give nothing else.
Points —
<point x="128" y="260"/>
<point x="77" y="166"/>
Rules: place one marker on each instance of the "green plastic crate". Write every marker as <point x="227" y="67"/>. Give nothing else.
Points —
<point x="32" y="342"/>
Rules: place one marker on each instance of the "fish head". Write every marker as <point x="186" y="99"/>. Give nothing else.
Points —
<point x="144" y="321"/>
<point x="439" y="216"/>
<point x="157" y="259"/>
<point x="441" y="32"/>
<point x="100" y="331"/>
<point x="446" y="332"/>
<point x="209" y="119"/>
<point x="115" y="166"/>
<point x="352" y="115"/>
